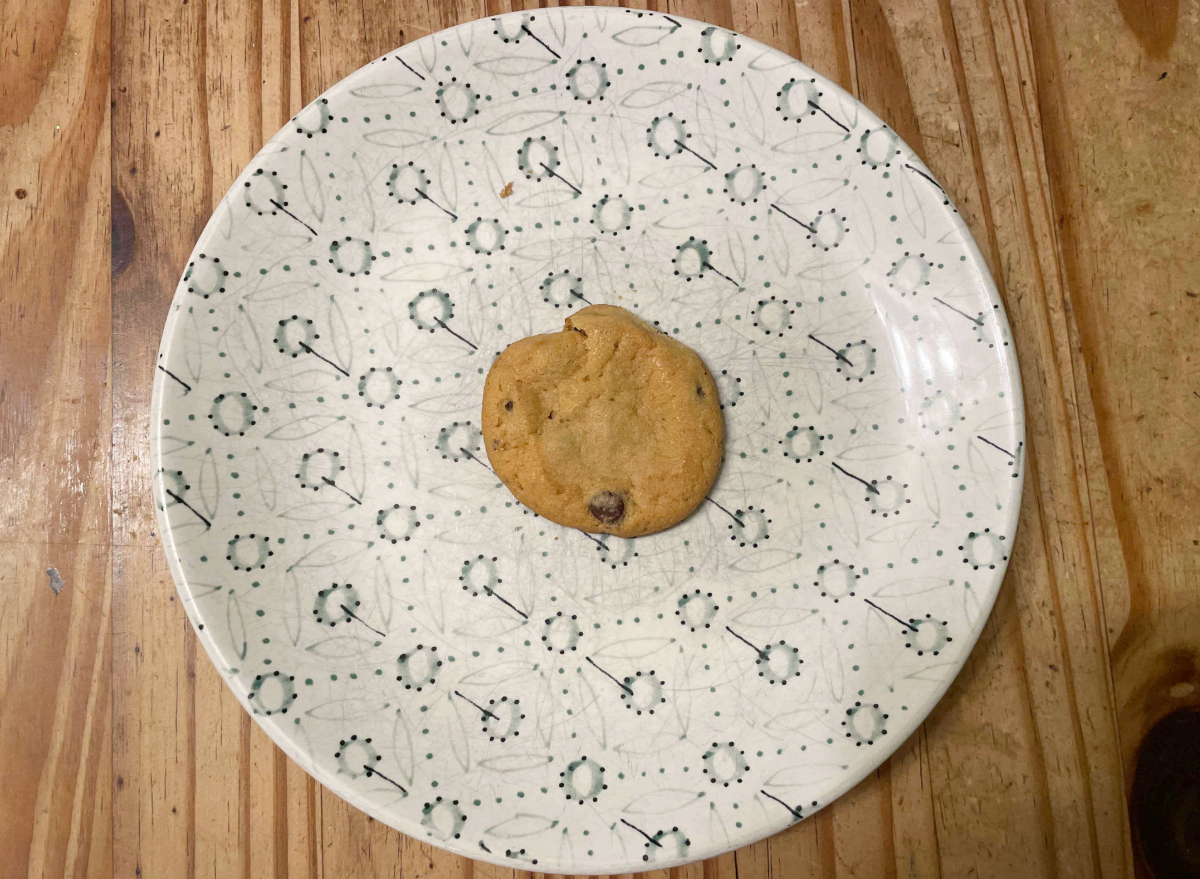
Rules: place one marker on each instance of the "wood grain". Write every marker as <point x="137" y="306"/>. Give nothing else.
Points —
<point x="55" y="811"/>
<point x="1064" y="131"/>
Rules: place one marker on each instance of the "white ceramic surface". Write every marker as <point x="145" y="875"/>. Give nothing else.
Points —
<point x="470" y="673"/>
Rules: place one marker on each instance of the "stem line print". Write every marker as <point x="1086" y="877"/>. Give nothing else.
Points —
<point x="649" y="838"/>
<point x="355" y="616"/>
<point x="441" y="323"/>
<point x="868" y="485"/>
<point x="425" y="195"/>
<point x="406" y="64"/>
<point x="186" y="387"/>
<point x="713" y="268"/>
<point x="811" y="229"/>
<point x="978" y="321"/>
<point x="468" y="454"/>
<point x="926" y="176"/>
<point x="596" y="540"/>
<point x="179" y="500"/>
<point x="684" y="146"/>
<point x="477" y="706"/>
<point x="747" y="642"/>
<point x="822" y="110"/>
<point x="795" y="812"/>
<point x="994" y="446"/>
<point x="834" y="351"/>
<point x="907" y="626"/>
<point x="741" y="524"/>
<point x="306" y="347"/>
<point x="624" y="687"/>
<point x="544" y="46"/>
<point x="496" y="595"/>
<point x="397" y="784"/>
<point x="554" y="173"/>
<point x="330" y="482"/>
<point x="294" y="217"/>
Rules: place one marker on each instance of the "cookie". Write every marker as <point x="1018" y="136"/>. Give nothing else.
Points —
<point x="609" y="426"/>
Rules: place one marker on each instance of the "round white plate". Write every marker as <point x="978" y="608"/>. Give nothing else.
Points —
<point x="470" y="673"/>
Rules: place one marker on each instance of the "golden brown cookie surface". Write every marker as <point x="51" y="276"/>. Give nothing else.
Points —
<point x="609" y="426"/>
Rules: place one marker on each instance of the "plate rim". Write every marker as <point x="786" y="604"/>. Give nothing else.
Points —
<point x="912" y="720"/>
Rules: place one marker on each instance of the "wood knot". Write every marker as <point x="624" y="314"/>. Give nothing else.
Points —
<point x="1164" y="805"/>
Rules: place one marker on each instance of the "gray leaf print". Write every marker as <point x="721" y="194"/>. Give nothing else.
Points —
<point x="519" y="762"/>
<point x="403" y="751"/>
<point x="193" y="354"/>
<point x="808" y="142"/>
<point x="632" y="648"/>
<point x="346" y="709"/>
<point x="331" y="552"/>
<point x="399" y="138"/>
<point x="812" y="774"/>
<point x="929" y="487"/>
<point x="341" y="646"/>
<point x="312" y="187"/>
<point x="644" y="35"/>
<point x="209" y="486"/>
<point x="425" y="273"/>
<point x="428" y="49"/>
<point x="303" y="427"/>
<point x="293" y="616"/>
<point x="314" y="511"/>
<point x="385" y="91"/>
<point x="339" y="332"/>
<point x="558" y="25"/>
<point x="654" y="93"/>
<point x="873" y="451"/>
<point x="524" y="121"/>
<point x="288" y="291"/>
<point x="516" y="65"/>
<point x="831" y="665"/>
<point x="459" y="734"/>
<point x="912" y="200"/>
<point x="520" y="825"/>
<point x="264" y="478"/>
<point x="236" y="625"/>
<point x="913" y="586"/>
<point x="308" y="381"/>
<point x="663" y="801"/>
<point x="446" y="181"/>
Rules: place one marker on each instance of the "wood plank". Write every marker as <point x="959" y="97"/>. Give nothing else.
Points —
<point x="54" y="462"/>
<point x="1025" y="740"/>
<point x="153" y="759"/>
<point x="939" y="77"/>
<point x="201" y="789"/>
<point x="1130" y="287"/>
<point x="1081" y="748"/>
<point x="1114" y="97"/>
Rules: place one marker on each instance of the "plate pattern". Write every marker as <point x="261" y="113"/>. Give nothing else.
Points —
<point x="463" y="669"/>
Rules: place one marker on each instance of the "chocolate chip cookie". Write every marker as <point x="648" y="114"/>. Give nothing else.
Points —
<point x="609" y="426"/>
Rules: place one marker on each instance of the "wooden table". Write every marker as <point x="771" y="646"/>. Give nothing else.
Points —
<point x="1066" y="132"/>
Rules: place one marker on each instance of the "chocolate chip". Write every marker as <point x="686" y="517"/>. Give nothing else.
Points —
<point x="508" y="406"/>
<point x="581" y="332"/>
<point x="607" y="506"/>
<point x="700" y="392"/>
<point x="551" y="416"/>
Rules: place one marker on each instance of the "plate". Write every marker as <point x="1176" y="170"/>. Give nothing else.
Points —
<point x="470" y="673"/>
